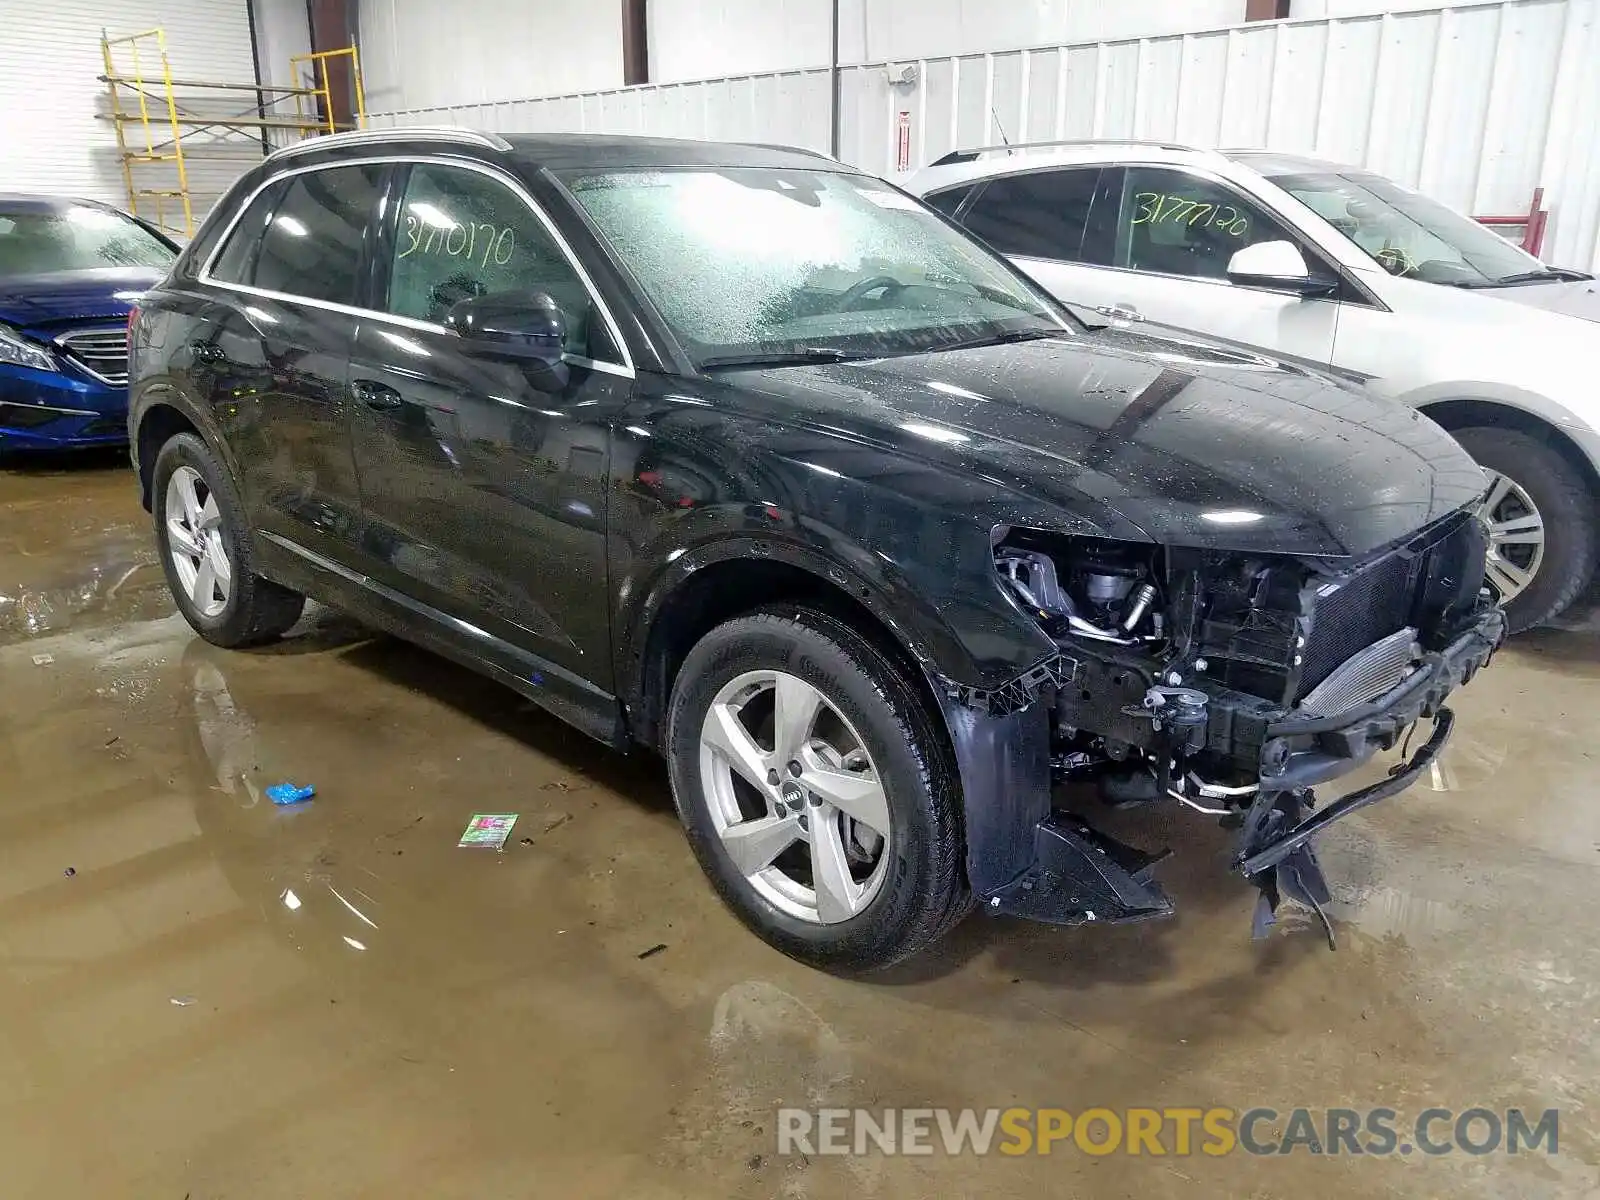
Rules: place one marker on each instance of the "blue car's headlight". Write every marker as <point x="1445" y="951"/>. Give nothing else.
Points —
<point x="14" y="348"/>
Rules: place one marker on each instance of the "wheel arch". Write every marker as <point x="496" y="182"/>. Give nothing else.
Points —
<point x="164" y="410"/>
<point x="158" y="424"/>
<point x="1001" y="759"/>
<point x="1467" y="413"/>
<point x="716" y="583"/>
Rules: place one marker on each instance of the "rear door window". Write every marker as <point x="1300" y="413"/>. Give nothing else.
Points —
<point x="312" y="244"/>
<point x="1041" y="214"/>
<point x="237" y="262"/>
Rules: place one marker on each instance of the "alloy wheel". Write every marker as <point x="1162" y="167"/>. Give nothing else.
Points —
<point x="1516" y="536"/>
<point x="195" y="542"/>
<point x="795" y="797"/>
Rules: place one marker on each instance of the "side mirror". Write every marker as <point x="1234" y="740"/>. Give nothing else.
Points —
<point x="1278" y="266"/>
<point x="524" y="325"/>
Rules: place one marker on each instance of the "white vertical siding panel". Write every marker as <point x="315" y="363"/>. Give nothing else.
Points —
<point x="1119" y="77"/>
<point x="1161" y="88"/>
<point x="1462" y="79"/>
<point x="1573" y="161"/>
<point x="973" y="127"/>
<point x="1082" y="82"/>
<point x="1205" y="67"/>
<point x="1249" y="87"/>
<point x="870" y="133"/>
<point x="1518" y="115"/>
<point x="1400" y="92"/>
<point x="1005" y="97"/>
<point x="939" y="102"/>
<point x="1044" y="77"/>
<point x="1299" y="61"/>
<point x="1476" y="103"/>
<point x="1347" y="81"/>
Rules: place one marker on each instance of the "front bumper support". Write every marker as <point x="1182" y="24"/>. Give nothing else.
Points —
<point x="1302" y="750"/>
<point x="1080" y="874"/>
<point x="1027" y="861"/>
<point x="1400" y="778"/>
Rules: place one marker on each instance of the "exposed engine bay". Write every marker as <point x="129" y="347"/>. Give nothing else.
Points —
<point x="1232" y="682"/>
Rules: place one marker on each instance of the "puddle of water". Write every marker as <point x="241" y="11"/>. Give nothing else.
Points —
<point x="1385" y="910"/>
<point x="71" y="555"/>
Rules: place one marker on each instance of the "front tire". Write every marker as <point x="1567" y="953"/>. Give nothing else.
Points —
<point x="206" y="552"/>
<point x="1542" y="525"/>
<point x="816" y="791"/>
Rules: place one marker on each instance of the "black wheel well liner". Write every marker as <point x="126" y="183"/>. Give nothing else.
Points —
<point x="1468" y="414"/>
<point x="729" y="588"/>
<point x="159" y="424"/>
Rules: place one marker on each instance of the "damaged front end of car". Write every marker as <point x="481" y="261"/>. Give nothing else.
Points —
<point x="1230" y="682"/>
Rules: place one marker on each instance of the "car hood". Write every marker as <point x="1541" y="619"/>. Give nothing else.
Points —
<point x="1180" y="442"/>
<point x="62" y="297"/>
<point x="1577" y="298"/>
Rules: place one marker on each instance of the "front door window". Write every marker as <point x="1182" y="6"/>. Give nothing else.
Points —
<point x="463" y="234"/>
<point x="1175" y="223"/>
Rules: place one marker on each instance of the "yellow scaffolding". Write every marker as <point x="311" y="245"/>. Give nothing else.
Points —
<point x="320" y="88"/>
<point x="164" y="125"/>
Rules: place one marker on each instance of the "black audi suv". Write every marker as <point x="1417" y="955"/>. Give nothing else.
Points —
<point x="737" y="454"/>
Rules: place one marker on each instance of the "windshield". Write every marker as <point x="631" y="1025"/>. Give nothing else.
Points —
<point x="759" y="262"/>
<point x="1408" y="234"/>
<point x="75" y="238"/>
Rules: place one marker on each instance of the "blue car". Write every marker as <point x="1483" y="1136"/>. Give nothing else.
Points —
<point x="70" y="270"/>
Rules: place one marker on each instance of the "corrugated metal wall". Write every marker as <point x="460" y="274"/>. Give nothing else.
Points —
<point x="790" y="107"/>
<point x="50" y="93"/>
<point x="1476" y="103"/>
<point x="702" y="39"/>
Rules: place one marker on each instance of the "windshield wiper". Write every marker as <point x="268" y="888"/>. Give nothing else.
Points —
<point x="798" y="357"/>
<point x="1000" y="339"/>
<point x="1094" y="320"/>
<point x="1543" y="275"/>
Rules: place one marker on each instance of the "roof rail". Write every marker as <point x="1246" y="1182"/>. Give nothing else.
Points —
<point x="969" y="155"/>
<point x="407" y="133"/>
<point x="806" y="150"/>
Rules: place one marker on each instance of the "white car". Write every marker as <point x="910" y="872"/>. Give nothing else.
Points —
<point x="1334" y="266"/>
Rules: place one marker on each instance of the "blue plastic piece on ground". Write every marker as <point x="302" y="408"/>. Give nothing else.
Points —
<point x="288" y="793"/>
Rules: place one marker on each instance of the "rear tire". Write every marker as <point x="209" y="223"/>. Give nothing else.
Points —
<point x="913" y="888"/>
<point x="1565" y="508"/>
<point x="206" y="551"/>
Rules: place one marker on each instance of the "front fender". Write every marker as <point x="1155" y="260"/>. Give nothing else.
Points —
<point x="1002" y="758"/>
<point x="872" y="584"/>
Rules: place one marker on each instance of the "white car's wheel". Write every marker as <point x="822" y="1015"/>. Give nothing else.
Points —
<point x="1542" y="524"/>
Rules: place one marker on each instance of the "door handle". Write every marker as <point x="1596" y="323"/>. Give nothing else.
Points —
<point x="1120" y="312"/>
<point x="375" y="395"/>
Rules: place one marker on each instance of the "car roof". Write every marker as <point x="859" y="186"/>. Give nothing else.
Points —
<point x="575" y="151"/>
<point x="987" y="161"/>
<point x="983" y="162"/>
<point x="1274" y="162"/>
<point x="567" y="151"/>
